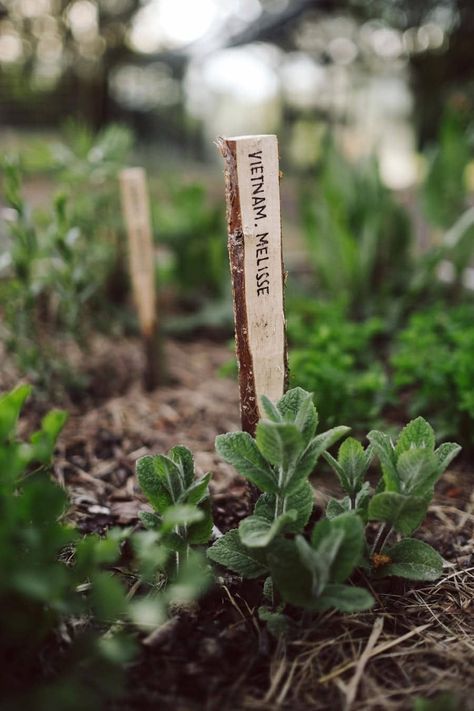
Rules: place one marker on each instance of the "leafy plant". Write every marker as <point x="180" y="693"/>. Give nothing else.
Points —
<point x="432" y="359"/>
<point x="182" y="512"/>
<point x="339" y="361"/>
<point x="40" y="586"/>
<point x="410" y="469"/>
<point x="279" y="461"/>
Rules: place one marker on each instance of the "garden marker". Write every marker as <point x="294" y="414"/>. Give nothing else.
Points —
<point x="136" y="210"/>
<point x="255" y="253"/>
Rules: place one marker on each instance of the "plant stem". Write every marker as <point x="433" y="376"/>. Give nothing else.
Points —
<point x="377" y="538"/>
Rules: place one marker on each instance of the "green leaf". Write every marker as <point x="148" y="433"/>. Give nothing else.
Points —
<point x="10" y="408"/>
<point x="258" y="532"/>
<point x="346" y="598"/>
<point x="180" y="515"/>
<point x="291" y="578"/>
<point x="44" y="440"/>
<point x="240" y="450"/>
<point x="417" y="470"/>
<point x="417" y="433"/>
<point x="317" y="562"/>
<point x="310" y="456"/>
<point x="198" y="491"/>
<point x="199" y="532"/>
<point x="183" y="458"/>
<point x="354" y="463"/>
<point x="230" y="552"/>
<point x="301" y="500"/>
<point x="336" y="507"/>
<point x="349" y="553"/>
<point x="412" y="559"/>
<point x="277" y="623"/>
<point x="271" y="410"/>
<point x="297" y="407"/>
<point x="150" y="520"/>
<point x="404" y="513"/>
<point x="152" y="482"/>
<point x="280" y="443"/>
<point x="445" y="455"/>
<point x="383" y="448"/>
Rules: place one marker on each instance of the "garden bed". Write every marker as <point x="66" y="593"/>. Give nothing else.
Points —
<point x="416" y="641"/>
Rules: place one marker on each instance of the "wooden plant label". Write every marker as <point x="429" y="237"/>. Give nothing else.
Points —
<point x="136" y="210"/>
<point x="255" y="253"/>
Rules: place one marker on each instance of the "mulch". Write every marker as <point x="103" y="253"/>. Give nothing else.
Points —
<point x="417" y="641"/>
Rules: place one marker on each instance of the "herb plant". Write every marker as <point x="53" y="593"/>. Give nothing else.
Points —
<point x="410" y="469"/>
<point x="182" y="511"/>
<point x="279" y="461"/>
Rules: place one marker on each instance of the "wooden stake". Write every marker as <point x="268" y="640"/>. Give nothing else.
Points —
<point x="136" y="210"/>
<point x="255" y="254"/>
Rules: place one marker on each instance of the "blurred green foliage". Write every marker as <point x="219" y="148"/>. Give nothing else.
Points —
<point x="433" y="359"/>
<point x="44" y="563"/>
<point x="61" y="272"/>
<point x="63" y="612"/>
<point x="194" y="231"/>
<point x="358" y="237"/>
<point x="336" y="358"/>
<point x="444" y="190"/>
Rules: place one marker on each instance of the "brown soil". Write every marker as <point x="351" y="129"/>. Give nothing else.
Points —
<point x="417" y="641"/>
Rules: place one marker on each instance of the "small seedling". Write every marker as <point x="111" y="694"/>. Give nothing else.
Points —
<point x="410" y="469"/>
<point x="279" y="462"/>
<point x="182" y="511"/>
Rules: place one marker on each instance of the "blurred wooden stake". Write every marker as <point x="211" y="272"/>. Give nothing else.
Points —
<point x="252" y="180"/>
<point x="136" y="211"/>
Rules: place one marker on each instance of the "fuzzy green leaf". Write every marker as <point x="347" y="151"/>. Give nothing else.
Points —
<point x="346" y="598"/>
<point x="383" y="448"/>
<point x="301" y="500"/>
<point x="341" y="541"/>
<point x="230" y="552"/>
<point x="152" y="482"/>
<point x="291" y="578"/>
<point x="180" y="515"/>
<point x="198" y="491"/>
<point x="271" y="410"/>
<point x="297" y="407"/>
<point x="445" y="455"/>
<point x="200" y="531"/>
<point x="354" y="463"/>
<point x="336" y="507"/>
<point x="183" y="458"/>
<point x="310" y="456"/>
<point x="280" y="443"/>
<point x="412" y="559"/>
<point x="417" y="433"/>
<point x="404" y="513"/>
<point x="417" y="470"/>
<point x="240" y="450"/>
<point x="258" y="532"/>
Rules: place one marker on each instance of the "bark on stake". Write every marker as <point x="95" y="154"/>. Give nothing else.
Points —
<point x="256" y="262"/>
<point x="136" y="210"/>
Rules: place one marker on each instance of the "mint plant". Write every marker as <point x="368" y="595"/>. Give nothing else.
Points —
<point x="279" y="462"/>
<point x="410" y="468"/>
<point x="182" y="512"/>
